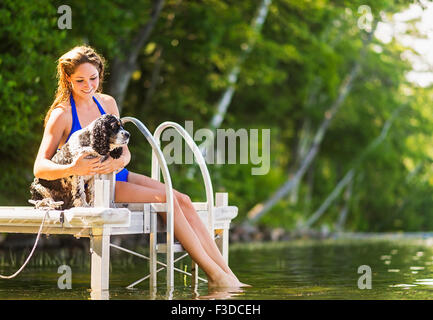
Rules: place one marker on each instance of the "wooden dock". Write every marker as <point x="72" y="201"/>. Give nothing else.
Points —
<point x="107" y="218"/>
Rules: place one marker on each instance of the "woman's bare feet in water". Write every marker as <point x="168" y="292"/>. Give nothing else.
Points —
<point x="223" y="280"/>
<point x="239" y="284"/>
<point x="226" y="281"/>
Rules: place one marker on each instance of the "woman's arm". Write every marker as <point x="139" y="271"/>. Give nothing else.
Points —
<point x="45" y="168"/>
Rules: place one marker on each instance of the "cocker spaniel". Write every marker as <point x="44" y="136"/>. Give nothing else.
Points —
<point x="103" y="137"/>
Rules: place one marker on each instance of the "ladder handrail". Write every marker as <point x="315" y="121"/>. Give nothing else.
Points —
<point x="200" y="160"/>
<point x="159" y="157"/>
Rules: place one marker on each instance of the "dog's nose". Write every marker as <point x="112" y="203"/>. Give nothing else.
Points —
<point x="126" y="134"/>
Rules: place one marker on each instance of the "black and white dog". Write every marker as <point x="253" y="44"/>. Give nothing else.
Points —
<point x="103" y="137"/>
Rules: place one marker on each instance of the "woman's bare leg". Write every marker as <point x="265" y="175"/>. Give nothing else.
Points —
<point x="130" y="192"/>
<point x="191" y="215"/>
<point x="202" y="233"/>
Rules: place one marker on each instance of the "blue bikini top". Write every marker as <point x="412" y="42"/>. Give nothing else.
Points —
<point x="75" y="122"/>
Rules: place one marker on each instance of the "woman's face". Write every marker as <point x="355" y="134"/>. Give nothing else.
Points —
<point x="85" y="80"/>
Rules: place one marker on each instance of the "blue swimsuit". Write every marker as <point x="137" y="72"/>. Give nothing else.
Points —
<point x="122" y="175"/>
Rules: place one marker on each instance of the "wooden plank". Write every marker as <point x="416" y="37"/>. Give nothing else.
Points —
<point x="140" y="223"/>
<point x="97" y="217"/>
<point x="81" y="220"/>
<point x="78" y="232"/>
<point x="72" y="218"/>
<point x="158" y="207"/>
<point x="22" y="221"/>
<point x="28" y="216"/>
<point x="220" y="212"/>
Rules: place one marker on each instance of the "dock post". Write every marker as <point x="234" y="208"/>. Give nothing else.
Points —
<point x="100" y="260"/>
<point x="194" y="274"/>
<point x="221" y="200"/>
<point x="153" y="242"/>
<point x="100" y="239"/>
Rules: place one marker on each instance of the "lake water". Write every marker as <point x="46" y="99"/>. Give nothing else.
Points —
<point x="328" y="269"/>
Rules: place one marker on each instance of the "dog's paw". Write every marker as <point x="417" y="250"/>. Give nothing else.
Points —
<point x="46" y="203"/>
<point x="80" y="203"/>
<point x="116" y="153"/>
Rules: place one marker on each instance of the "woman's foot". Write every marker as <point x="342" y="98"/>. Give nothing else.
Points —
<point x="239" y="284"/>
<point x="226" y="281"/>
<point x="223" y="280"/>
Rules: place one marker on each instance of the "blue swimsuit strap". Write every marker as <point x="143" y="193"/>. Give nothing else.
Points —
<point x="75" y="121"/>
<point x="101" y="110"/>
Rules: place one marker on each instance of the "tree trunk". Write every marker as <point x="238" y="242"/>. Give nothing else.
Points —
<point x="123" y="67"/>
<point x="305" y="137"/>
<point x="345" y="210"/>
<point x="304" y="143"/>
<point x="154" y="79"/>
<point x="334" y="194"/>
<point x="257" y="211"/>
<point x="310" y="189"/>
<point x="226" y="98"/>
<point x="350" y="174"/>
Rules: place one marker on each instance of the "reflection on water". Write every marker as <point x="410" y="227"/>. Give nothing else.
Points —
<point x="400" y="269"/>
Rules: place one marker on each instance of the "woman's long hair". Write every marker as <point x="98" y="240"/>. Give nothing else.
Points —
<point x="67" y="65"/>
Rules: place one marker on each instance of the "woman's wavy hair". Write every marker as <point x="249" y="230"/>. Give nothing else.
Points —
<point x="67" y="65"/>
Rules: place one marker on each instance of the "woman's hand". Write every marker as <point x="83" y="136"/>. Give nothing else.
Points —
<point x="85" y="167"/>
<point x="110" y="165"/>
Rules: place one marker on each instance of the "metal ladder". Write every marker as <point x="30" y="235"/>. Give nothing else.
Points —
<point x="169" y="248"/>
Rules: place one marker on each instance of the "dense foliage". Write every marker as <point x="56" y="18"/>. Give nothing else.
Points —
<point x="287" y="82"/>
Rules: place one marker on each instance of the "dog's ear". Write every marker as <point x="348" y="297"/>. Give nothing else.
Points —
<point x="116" y="153"/>
<point x="101" y="139"/>
<point x="84" y="138"/>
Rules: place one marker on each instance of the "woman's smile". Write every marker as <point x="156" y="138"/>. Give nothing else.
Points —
<point x="87" y="92"/>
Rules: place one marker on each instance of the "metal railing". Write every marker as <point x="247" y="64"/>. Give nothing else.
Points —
<point x="159" y="164"/>
<point x="200" y="160"/>
<point x="158" y="157"/>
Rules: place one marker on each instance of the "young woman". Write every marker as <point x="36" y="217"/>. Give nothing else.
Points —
<point x="79" y="100"/>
